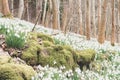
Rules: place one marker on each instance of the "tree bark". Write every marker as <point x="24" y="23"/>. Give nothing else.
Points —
<point x="93" y="19"/>
<point x="113" y="24"/>
<point x="55" y="14"/>
<point x="44" y="12"/>
<point x="5" y="8"/>
<point x="101" y="31"/>
<point x="21" y="8"/>
<point x="80" y="17"/>
<point x="88" y="20"/>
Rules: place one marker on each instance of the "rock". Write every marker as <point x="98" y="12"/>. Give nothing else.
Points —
<point x="10" y="70"/>
<point x="85" y="57"/>
<point x="47" y="53"/>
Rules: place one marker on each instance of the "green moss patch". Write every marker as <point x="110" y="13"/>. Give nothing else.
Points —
<point x="42" y="50"/>
<point x="10" y="70"/>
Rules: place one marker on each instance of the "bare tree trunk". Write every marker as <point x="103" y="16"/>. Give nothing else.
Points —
<point x="12" y="6"/>
<point x="101" y="31"/>
<point x="44" y="12"/>
<point x="93" y="19"/>
<point x="38" y="9"/>
<point x="0" y="6"/>
<point x="80" y="17"/>
<point x="27" y="10"/>
<point x="113" y="24"/>
<point x="5" y="11"/>
<point x="48" y="15"/>
<point x="88" y="19"/>
<point x="64" y="17"/>
<point x="55" y="14"/>
<point x="99" y="14"/>
<point x="21" y="8"/>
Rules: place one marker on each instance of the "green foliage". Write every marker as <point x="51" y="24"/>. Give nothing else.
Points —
<point x="57" y="41"/>
<point x="3" y="29"/>
<point x="15" y="39"/>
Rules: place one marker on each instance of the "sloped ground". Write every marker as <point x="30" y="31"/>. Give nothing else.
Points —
<point x="107" y="59"/>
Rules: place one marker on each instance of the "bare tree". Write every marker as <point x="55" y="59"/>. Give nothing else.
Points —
<point x="88" y="19"/>
<point x="55" y="11"/>
<point x="80" y="17"/>
<point x="21" y="8"/>
<point x="113" y="24"/>
<point x="38" y="8"/>
<point x="5" y="8"/>
<point x="93" y="19"/>
<point x="101" y="30"/>
<point x="44" y="12"/>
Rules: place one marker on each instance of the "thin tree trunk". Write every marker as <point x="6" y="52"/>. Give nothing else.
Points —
<point x="12" y="6"/>
<point x="93" y="19"/>
<point x="80" y="17"/>
<point x="88" y="20"/>
<point x="48" y="15"/>
<point x="44" y="12"/>
<point x="21" y="8"/>
<point x="101" y="32"/>
<point x="1" y="6"/>
<point x="38" y="9"/>
<point x="64" y="17"/>
<point x="99" y="14"/>
<point x="113" y="24"/>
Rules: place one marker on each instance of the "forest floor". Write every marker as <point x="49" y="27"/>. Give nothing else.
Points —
<point x="109" y="67"/>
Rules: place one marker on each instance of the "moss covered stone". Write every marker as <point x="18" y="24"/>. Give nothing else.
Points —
<point x="7" y="73"/>
<point x="85" y="57"/>
<point x="11" y="71"/>
<point x="5" y="59"/>
<point x="42" y="50"/>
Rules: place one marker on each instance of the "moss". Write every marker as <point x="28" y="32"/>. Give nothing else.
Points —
<point x="7" y="73"/>
<point x="86" y="55"/>
<point x="47" y="43"/>
<point x="5" y="59"/>
<point x="48" y="52"/>
<point x="61" y="57"/>
<point x="45" y="37"/>
<point x="12" y="71"/>
<point x="57" y="47"/>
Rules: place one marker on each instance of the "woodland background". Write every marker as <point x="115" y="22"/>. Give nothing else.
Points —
<point x="93" y="18"/>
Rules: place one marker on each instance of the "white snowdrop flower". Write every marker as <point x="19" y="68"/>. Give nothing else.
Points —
<point x="54" y="62"/>
<point x="32" y="78"/>
<point x="17" y="35"/>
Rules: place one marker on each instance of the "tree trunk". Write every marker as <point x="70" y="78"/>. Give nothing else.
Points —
<point x="12" y="6"/>
<point x="88" y="19"/>
<point x="0" y="6"/>
<point x="93" y="19"/>
<point x="113" y="25"/>
<point x="55" y="14"/>
<point x="101" y="32"/>
<point x="44" y="12"/>
<point x="5" y="7"/>
<point x="80" y="17"/>
<point x="38" y="9"/>
<point x="21" y="8"/>
<point x="99" y="14"/>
